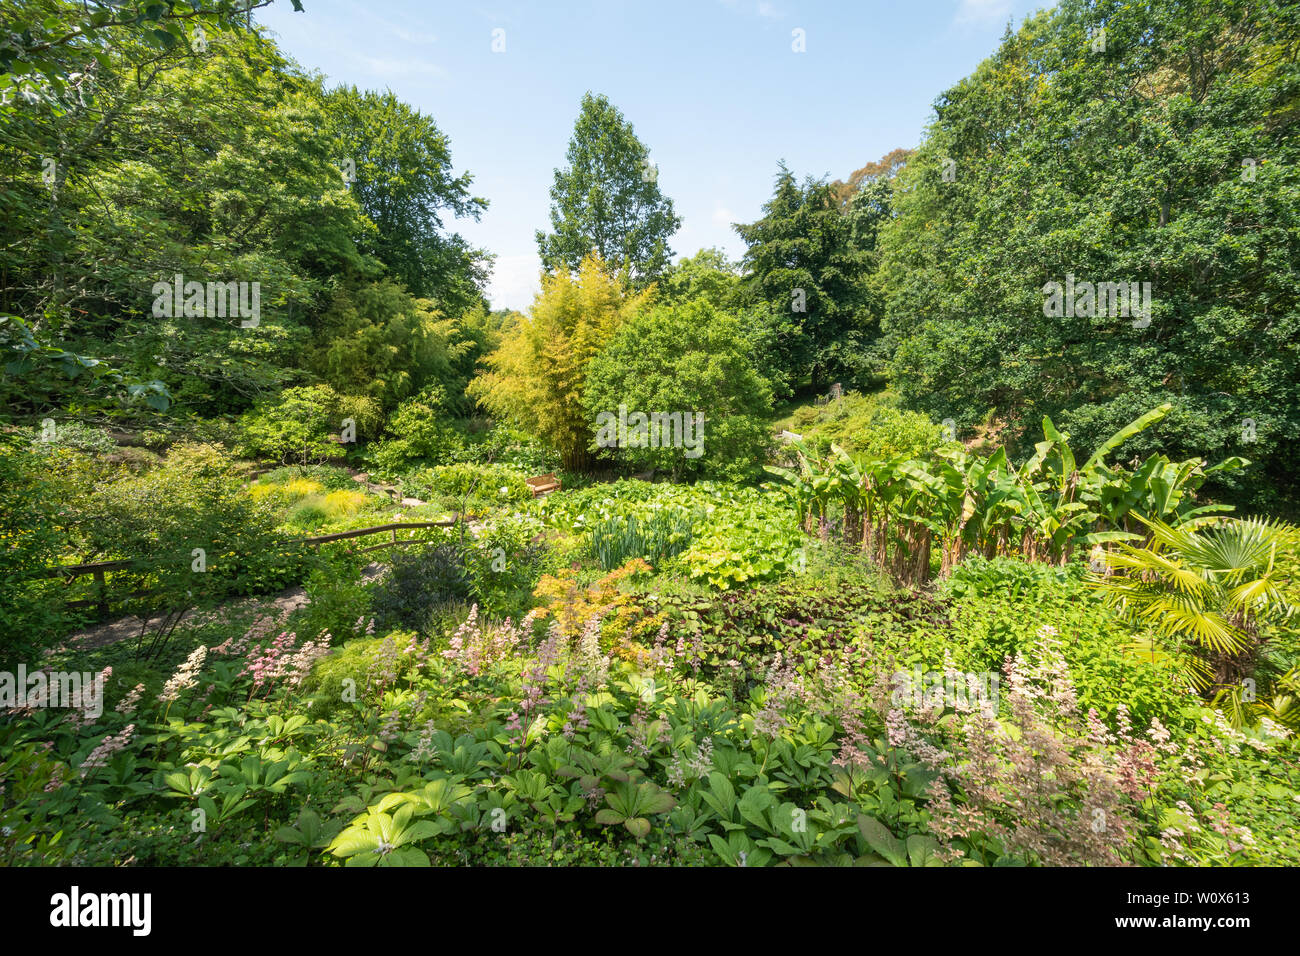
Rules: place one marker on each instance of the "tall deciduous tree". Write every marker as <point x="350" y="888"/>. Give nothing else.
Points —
<point x="708" y="275"/>
<point x="217" y="159"/>
<point x="607" y="200"/>
<point x="399" y="167"/>
<point x="1162" y="150"/>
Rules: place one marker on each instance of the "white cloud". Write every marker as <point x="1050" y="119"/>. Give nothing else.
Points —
<point x="764" y="8"/>
<point x="401" y="31"/>
<point x="722" y="216"/>
<point x="338" y="47"/>
<point x="377" y="66"/>
<point x="974" y="11"/>
<point x="413" y="36"/>
<point x="514" y="282"/>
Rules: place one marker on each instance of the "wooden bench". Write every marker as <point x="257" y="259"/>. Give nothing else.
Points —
<point x="544" y="484"/>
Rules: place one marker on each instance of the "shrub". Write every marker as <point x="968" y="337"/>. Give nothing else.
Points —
<point x="686" y="359"/>
<point x="505" y="445"/>
<point x="30" y="541"/>
<point x="807" y="621"/>
<point x="1006" y="578"/>
<point x="419" y="431"/>
<point x="572" y="605"/>
<point x="327" y="476"/>
<point x="872" y="425"/>
<point x="506" y="560"/>
<point x="77" y="436"/>
<point x="996" y="609"/>
<point x="475" y="486"/>
<point x="193" y="535"/>
<point x="420" y="581"/>
<point x="338" y="600"/>
<point x="299" y="424"/>
<point x="365" y="414"/>
<point x="372" y="664"/>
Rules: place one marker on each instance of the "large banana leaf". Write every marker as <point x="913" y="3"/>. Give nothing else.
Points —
<point x="1124" y="434"/>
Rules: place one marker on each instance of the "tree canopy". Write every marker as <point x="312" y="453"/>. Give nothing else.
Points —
<point x="1166" y="154"/>
<point x="219" y="161"/>
<point x="538" y="375"/>
<point x="684" y="359"/>
<point x="607" y="199"/>
<point x="808" y="261"/>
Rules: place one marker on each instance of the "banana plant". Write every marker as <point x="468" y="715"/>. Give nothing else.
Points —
<point x="894" y="532"/>
<point x="893" y="509"/>
<point x="1049" y="522"/>
<point x="969" y="502"/>
<point x="1159" y="489"/>
<point x="1139" y="424"/>
<point x="803" y="485"/>
<point x="1052" y="516"/>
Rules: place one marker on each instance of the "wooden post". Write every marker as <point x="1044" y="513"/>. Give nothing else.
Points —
<point x="102" y="595"/>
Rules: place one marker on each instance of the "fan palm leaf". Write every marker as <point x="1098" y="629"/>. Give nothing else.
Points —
<point x="1204" y="590"/>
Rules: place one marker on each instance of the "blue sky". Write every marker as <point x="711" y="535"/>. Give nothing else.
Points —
<point x="713" y="87"/>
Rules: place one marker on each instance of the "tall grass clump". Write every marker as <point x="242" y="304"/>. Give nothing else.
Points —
<point x="619" y="538"/>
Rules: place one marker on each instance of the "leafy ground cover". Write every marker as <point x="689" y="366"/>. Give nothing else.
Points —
<point x="1022" y="593"/>
<point x="553" y="709"/>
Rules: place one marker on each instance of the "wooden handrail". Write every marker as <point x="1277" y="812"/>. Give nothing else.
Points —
<point x="362" y="532"/>
<point x="76" y="570"/>
<point x="99" y="567"/>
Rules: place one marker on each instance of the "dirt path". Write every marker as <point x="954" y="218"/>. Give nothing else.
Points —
<point x="284" y="603"/>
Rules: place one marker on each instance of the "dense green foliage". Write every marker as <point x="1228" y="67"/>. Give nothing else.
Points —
<point x="607" y="200"/>
<point x="869" y="425"/>
<point x="684" y="360"/>
<point x="397" y="598"/>
<point x="898" y="509"/>
<point x="743" y="728"/>
<point x="107" y="193"/>
<point x="402" y="178"/>
<point x="808" y="261"/>
<point x="537" y="377"/>
<point x="1171" y="158"/>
